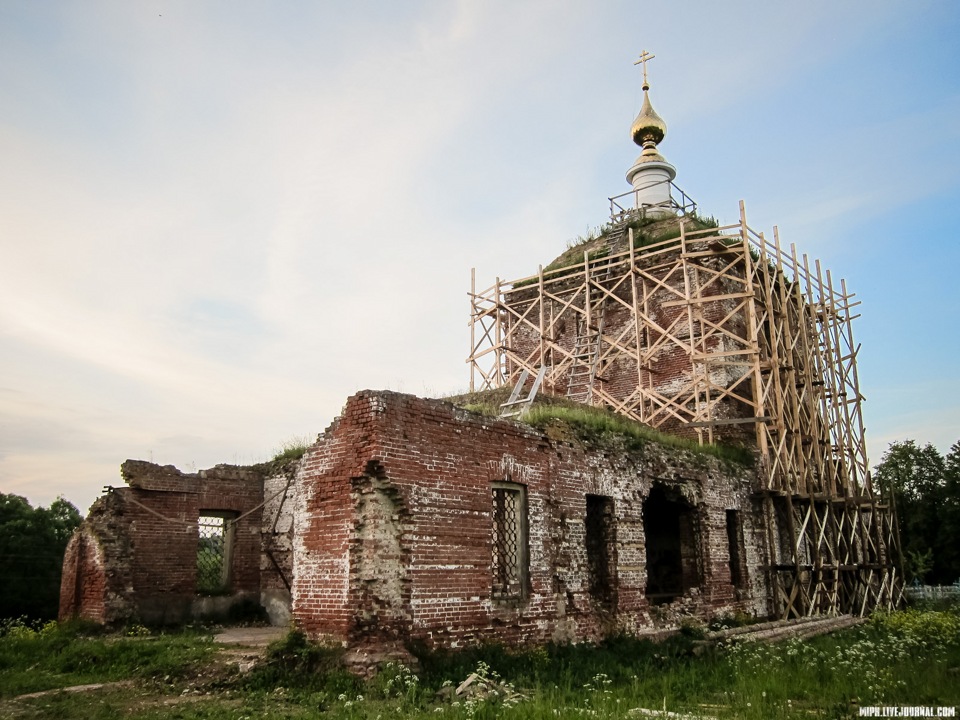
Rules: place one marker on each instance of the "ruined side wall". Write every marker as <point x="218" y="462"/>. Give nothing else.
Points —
<point x="165" y="548"/>
<point x="135" y="556"/>
<point x="97" y="580"/>
<point x="394" y="535"/>
<point x="323" y="526"/>
<point x="83" y="582"/>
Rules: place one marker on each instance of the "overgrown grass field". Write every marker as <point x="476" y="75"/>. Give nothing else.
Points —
<point x="905" y="658"/>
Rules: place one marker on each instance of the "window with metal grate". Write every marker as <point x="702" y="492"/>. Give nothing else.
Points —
<point x="509" y="562"/>
<point x="213" y="552"/>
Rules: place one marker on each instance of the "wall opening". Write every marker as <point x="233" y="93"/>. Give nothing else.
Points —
<point x="214" y="551"/>
<point x="509" y="546"/>
<point x="736" y="550"/>
<point x="672" y="538"/>
<point x="786" y="547"/>
<point x="601" y="539"/>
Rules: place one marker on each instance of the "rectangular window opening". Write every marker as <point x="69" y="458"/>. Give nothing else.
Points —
<point x="509" y="561"/>
<point x="600" y="538"/>
<point x="671" y="530"/>
<point x="737" y="550"/>
<point x="213" y="552"/>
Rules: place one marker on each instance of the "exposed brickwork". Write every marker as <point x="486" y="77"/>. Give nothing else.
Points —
<point x="84" y="583"/>
<point x="384" y="532"/>
<point x="135" y="556"/>
<point x="97" y="580"/>
<point x="393" y="529"/>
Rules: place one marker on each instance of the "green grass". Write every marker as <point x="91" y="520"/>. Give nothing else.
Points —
<point x="53" y="655"/>
<point x="597" y="426"/>
<point x="647" y="231"/>
<point x="907" y="658"/>
<point x="291" y="449"/>
<point x="594" y="426"/>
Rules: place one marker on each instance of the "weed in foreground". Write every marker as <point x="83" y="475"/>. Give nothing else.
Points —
<point x="895" y="659"/>
<point x="303" y="668"/>
<point x="41" y="657"/>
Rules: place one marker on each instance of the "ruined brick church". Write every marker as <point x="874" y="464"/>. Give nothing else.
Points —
<point x="412" y="519"/>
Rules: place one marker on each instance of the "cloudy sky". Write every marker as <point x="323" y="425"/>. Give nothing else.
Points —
<point x="218" y="220"/>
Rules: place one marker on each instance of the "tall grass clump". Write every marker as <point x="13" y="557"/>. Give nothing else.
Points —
<point x="899" y="658"/>
<point x="292" y="449"/>
<point x="303" y="669"/>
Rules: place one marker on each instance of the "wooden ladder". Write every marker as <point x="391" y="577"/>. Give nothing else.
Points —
<point x="583" y="372"/>
<point x="586" y="352"/>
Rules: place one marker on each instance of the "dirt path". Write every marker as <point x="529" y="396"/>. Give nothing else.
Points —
<point x="245" y="646"/>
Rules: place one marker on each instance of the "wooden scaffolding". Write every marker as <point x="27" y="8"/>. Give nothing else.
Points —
<point x="721" y="334"/>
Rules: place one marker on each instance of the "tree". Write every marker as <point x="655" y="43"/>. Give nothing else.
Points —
<point x="924" y="486"/>
<point x="32" y="543"/>
<point x="950" y="514"/>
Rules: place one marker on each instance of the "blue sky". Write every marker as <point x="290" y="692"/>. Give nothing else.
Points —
<point x="219" y="220"/>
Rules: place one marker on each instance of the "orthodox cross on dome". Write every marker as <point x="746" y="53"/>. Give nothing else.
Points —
<point x="644" y="57"/>
<point x="651" y="175"/>
<point x="649" y="128"/>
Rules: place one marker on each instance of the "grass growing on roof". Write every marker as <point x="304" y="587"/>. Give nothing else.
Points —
<point x="594" y="425"/>
<point x="292" y="449"/>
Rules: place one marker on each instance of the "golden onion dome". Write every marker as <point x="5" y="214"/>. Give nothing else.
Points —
<point x="648" y="127"/>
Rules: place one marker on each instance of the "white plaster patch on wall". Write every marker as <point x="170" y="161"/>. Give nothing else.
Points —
<point x="279" y="508"/>
<point x="509" y="467"/>
<point x="428" y="566"/>
<point x="452" y="601"/>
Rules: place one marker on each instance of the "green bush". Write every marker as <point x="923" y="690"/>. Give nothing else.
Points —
<point x="303" y="667"/>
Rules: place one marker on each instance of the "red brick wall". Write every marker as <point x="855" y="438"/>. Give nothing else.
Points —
<point x="437" y="463"/>
<point x="83" y="587"/>
<point x="323" y="527"/>
<point x="146" y="537"/>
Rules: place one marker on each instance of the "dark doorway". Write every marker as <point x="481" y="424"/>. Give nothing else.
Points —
<point x="600" y="528"/>
<point x="671" y="534"/>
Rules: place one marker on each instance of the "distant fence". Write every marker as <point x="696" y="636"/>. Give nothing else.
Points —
<point x="933" y="592"/>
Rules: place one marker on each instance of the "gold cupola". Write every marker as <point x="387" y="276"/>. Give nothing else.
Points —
<point x="648" y="127"/>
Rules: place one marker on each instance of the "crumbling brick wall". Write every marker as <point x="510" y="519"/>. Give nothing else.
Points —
<point x="135" y="556"/>
<point x="84" y="579"/>
<point x="395" y="523"/>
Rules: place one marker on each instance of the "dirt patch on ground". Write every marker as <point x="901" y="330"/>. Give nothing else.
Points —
<point x="250" y="637"/>
<point x="244" y="647"/>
